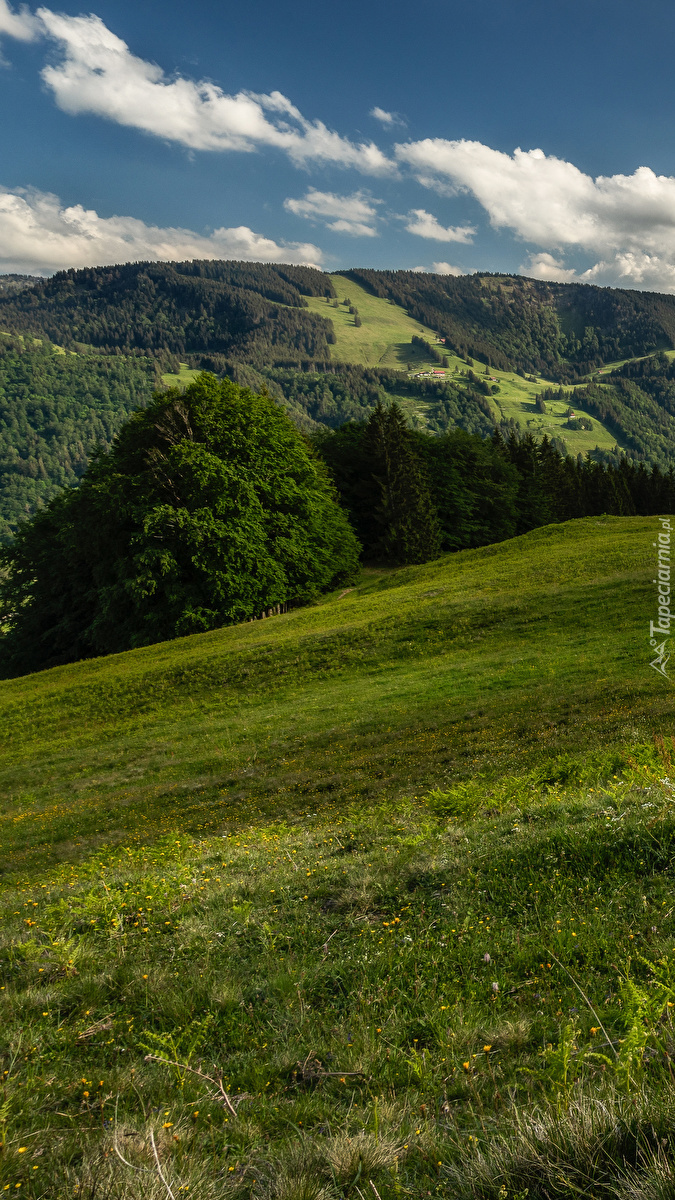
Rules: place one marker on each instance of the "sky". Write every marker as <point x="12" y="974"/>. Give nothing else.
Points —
<point x="511" y="136"/>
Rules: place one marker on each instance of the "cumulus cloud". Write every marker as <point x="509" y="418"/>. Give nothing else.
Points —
<point x="439" y="268"/>
<point x="38" y="235"/>
<point x="425" y="225"/>
<point x="445" y="268"/>
<point x="546" y="266"/>
<point x="21" y="25"/>
<point x="626" y="221"/>
<point x="386" y="118"/>
<point x="98" y="74"/>
<point x="353" y="214"/>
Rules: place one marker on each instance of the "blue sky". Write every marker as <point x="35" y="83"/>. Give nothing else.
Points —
<point x="513" y="136"/>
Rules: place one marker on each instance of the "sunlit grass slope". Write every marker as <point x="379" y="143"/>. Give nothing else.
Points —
<point x="373" y="898"/>
<point x="384" y="337"/>
<point x="412" y="678"/>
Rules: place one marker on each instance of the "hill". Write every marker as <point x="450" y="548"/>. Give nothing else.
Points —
<point x="172" y="309"/>
<point x="300" y="902"/>
<point x="562" y="330"/>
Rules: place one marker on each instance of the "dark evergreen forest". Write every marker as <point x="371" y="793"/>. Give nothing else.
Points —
<point x="251" y="311"/>
<point x="410" y="494"/>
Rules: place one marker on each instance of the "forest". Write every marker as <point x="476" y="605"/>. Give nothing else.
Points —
<point x="411" y="495"/>
<point x="55" y="409"/>
<point x="210" y="507"/>
<point x="252" y="311"/>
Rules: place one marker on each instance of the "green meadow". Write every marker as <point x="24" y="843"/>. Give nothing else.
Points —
<point x="370" y="898"/>
<point x="384" y="339"/>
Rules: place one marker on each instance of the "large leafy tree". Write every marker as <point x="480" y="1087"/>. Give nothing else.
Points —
<point x="208" y="509"/>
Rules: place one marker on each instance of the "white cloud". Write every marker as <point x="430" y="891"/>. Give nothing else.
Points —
<point x="445" y="268"/>
<point x="99" y="74"/>
<point x="545" y="266"/>
<point x="439" y="268"/>
<point x="425" y="225"/>
<point x="38" y="235"/>
<point x="626" y="221"/>
<point x="386" y="118"/>
<point x="21" y="25"/>
<point x="353" y="214"/>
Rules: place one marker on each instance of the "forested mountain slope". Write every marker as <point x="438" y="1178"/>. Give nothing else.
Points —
<point x="54" y="410"/>
<point x="252" y="311"/>
<point x="258" y="313"/>
<point x="563" y="330"/>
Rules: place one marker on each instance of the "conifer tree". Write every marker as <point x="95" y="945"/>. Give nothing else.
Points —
<point x="406" y="516"/>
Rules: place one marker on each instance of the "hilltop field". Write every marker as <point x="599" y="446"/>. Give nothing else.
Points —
<point x="370" y="898"/>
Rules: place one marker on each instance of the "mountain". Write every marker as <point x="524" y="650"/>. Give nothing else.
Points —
<point x="262" y="314"/>
<point x="253" y="311"/>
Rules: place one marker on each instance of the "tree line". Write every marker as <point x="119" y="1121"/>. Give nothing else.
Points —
<point x="410" y="495"/>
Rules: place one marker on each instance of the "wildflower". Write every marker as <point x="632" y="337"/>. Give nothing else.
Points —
<point x="495" y="988"/>
<point x="488" y="1048"/>
<point x="22" y="1149"/>
<point x="466" y="1065"/>
<point x="487" y="959"/>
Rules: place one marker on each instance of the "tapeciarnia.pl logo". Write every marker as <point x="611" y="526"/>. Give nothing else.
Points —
<point x="661" y="627"/>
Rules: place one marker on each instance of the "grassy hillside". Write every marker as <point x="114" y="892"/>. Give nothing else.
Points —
<point x="307" y="903"/>
<point x="462" y="653"/>
<point x="384" y="337"/>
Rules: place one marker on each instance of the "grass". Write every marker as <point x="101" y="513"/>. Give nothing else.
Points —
<point x="349" y="868"/>
<point x="384" y="337"/>
<point x="182" y="378"/>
